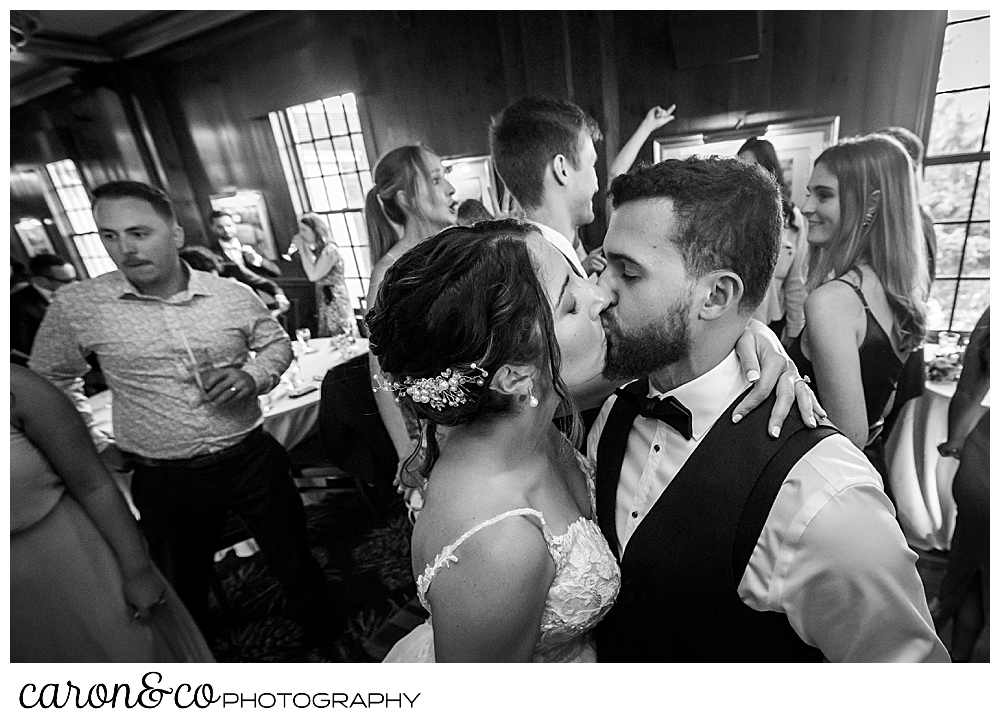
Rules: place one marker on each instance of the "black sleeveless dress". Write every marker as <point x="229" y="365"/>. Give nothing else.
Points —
<point x="880" y="370"/>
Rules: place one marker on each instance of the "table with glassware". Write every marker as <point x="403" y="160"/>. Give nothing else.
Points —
<point x="292" y="407"/>
<point x="290" y="411"/>
<point x="920" y="478"/>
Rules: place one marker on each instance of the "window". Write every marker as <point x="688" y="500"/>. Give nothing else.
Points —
<point x="77" y="218"/>
<point x="323" y="154"/>
<point x="956" y="181"/>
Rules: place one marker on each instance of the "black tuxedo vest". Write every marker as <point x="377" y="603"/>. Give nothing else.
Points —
<point x="682" y="566"/>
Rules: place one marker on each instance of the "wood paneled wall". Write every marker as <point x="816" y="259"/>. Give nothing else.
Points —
<point x="872" y="68"/>
<point x="194" y="116"/>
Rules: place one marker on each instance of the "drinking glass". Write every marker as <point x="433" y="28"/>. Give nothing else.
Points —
<point x="304" y="335"/>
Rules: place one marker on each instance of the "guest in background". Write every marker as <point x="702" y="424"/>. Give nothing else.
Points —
<point x="782" y="306"/>
<point x="410" y="201"/>
<point x="543" y="149"/>
<point x="471" y="210"/>
<point x="964" y="595"/>
<point x="201" y="259"/>
<point x="911" y="381"/>
<point x="47" y="274"/>
<point x="228" y="243"/>
<point x="868" y="284"/>
<point x="82" y="586"/>
<point x="325" y="268"/>
<point x="176" y="348"/>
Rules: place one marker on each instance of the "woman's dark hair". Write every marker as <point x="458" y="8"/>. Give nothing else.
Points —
<point x="767" y="158"/>
<point x="468" y="295"/>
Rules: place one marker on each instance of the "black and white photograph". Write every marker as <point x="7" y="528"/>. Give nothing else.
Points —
<point x="447" y="335"/>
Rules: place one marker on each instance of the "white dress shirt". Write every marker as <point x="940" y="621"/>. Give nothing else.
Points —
<point x="831" y="555"/>
<point x="564" y="245"/>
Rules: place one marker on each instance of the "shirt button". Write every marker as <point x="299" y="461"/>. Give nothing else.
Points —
<point x="656" y="448"/>
<point x="634" y="514"/>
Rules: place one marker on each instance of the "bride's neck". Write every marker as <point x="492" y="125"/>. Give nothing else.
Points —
<point x="508" y="439"/>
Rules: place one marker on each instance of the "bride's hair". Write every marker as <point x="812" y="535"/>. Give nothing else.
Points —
<point x="469" y="295"/>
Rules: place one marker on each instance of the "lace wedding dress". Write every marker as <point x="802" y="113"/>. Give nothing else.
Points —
<point x="583" y="590"/>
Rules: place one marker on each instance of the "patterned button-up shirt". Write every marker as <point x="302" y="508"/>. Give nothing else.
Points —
<point x="145" y="346"/>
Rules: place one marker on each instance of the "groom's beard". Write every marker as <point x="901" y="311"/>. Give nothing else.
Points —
<point x="639" y="353"/>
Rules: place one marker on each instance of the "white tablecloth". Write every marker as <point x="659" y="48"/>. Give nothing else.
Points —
<point x="288" y="420"/>
<point x="921" y="478"/>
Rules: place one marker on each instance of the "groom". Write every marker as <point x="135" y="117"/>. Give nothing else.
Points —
<point x="734" y="545"/>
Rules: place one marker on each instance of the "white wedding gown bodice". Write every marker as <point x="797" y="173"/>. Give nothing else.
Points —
<point x="584" y="588"/>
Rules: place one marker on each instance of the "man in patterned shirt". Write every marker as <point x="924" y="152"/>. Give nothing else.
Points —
<point x="186" y="354"/>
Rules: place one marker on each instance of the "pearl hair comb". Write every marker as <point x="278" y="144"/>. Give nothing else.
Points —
<point x="447" y="389"/>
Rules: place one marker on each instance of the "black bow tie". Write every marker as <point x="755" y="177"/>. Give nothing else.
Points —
<point x="667" y="410"/>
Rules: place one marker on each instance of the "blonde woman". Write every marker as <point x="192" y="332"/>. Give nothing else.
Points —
<point x="411" y="199"/>
<point x="868" y="283"/>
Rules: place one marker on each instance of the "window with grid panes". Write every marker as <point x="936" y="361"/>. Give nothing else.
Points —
<point x="323" y="154"/>
<point x="956" y="179"/>
<point x="77" y="211"/>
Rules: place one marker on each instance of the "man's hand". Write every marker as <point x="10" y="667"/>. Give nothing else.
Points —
<point x="594" y="262"/>
<point x="250" y="256"/>
<point x="225" y="386"/>
<point x="114" y="460"/>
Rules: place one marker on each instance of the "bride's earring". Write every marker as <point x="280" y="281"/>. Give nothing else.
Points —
<point x="532" y="399"/>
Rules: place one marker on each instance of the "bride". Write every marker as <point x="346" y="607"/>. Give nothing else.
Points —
<point x="484" y="330"/>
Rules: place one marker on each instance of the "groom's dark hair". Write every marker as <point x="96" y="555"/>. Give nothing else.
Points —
<point x="729" y="211"/>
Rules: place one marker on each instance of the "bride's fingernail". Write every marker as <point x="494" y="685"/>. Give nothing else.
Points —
<point x="811" y="421"/>
<point x="775" y="431"/>
<point x="753" y="375"/>
<point x="737" y="417"/>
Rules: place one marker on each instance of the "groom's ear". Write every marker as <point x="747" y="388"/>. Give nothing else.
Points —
<point x="513" y="379"/>
<point x="719" y="293"/>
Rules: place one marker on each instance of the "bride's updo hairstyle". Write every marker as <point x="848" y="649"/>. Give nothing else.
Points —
<point x="465" y="300"/>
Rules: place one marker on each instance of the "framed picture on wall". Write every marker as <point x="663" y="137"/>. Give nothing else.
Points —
<point x="33" y="237"/>
<point x="797" y="144"/>
<point x="249" y="211"/>
<point x="472" y="177"/>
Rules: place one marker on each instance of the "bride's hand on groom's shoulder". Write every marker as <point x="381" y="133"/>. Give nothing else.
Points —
<point x="765" y="363"/>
